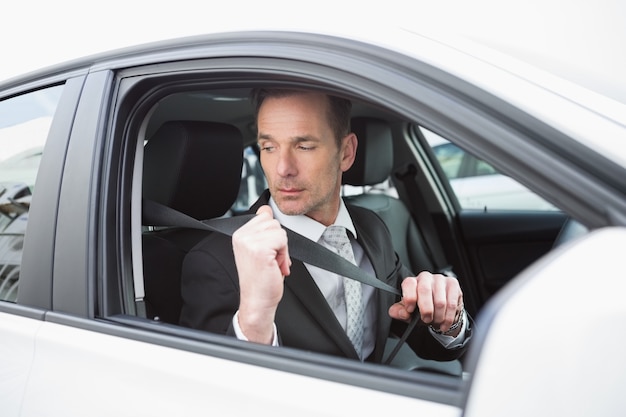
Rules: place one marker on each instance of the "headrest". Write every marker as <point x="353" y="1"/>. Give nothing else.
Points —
<point x="194" y="167"/>
<point x="374" y="154"/>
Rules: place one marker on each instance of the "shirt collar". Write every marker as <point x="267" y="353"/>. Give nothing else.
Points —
<point x="309" y="228"/>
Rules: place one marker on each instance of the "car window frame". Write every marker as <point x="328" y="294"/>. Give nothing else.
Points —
<point x="371" y="376"/>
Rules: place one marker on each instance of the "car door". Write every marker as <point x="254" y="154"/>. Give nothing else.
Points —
<point x="92" y="349"/>
<point x="501" y="226"/>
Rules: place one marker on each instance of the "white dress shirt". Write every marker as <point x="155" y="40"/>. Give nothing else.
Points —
<point x="331" y="284"/>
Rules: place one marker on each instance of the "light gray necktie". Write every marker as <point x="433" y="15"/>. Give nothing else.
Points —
<point x="336" y="236"/>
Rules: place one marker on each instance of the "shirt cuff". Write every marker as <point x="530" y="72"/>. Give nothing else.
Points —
<point x="243" y="337"/>
<point x="451" y="342"/>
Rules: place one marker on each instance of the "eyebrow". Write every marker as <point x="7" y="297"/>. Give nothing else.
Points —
<point x="296" y="139"/>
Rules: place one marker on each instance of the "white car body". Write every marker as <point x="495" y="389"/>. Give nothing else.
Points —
<point x="557" y="324"/>
<point x="528" y="359"/>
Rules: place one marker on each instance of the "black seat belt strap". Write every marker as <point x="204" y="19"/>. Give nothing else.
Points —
<point x="300" y="247"/>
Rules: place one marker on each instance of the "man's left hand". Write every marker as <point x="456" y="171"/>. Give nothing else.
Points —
<point x="438" y="297"/>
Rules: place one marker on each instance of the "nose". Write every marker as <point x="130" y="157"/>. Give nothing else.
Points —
<point x="286" y="165"/>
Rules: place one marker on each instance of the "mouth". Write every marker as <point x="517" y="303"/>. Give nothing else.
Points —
<point x="289" y="192"/>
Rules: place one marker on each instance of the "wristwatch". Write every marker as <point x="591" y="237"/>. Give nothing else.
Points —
<point x="452" y="328"/>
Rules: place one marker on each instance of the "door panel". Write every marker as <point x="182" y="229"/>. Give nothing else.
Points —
<point x="16" y="357"/>
<point x="100" y="374"/>
<point x="502" y="226"/>
<point x="500" y="244"/>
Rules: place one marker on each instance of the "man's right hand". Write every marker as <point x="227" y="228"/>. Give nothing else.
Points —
<point x="262" y="260"/>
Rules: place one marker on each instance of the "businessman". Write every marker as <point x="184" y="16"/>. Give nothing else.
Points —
<point x="250" y="288"/>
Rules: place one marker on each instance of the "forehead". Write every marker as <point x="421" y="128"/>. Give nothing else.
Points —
<point x="295" y="113"/>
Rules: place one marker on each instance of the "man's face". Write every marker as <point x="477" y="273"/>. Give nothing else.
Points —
<point x="300" y="156"/>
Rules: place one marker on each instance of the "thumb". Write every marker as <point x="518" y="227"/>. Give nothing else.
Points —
<point x="265" y="210"/>
<point x="399" y="312"/>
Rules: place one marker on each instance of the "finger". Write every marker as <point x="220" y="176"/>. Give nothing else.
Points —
<point x="265" y="210"/>
<point x="252" y="228"/>
<point x="283" y="258"/>
<point x="259" y="226"/>
<point x="261" y="234"/>
<point x="440" y="300"/>
<point x="399" y="312"/>
<point x="272" y="235"/>
<point x="282" y="250"/>
<point x="409" y="294"/>
<point x="425" y="301"/>
<point x="263" y="220"/>
<point x="454" y="303"/>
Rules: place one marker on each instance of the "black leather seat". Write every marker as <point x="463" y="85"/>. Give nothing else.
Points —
<point x="374" y="165"/>
<point x="193" y="167"/>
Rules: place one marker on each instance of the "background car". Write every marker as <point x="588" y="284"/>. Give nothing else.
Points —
<point x="91" y="331"/>
<point x="478" y="185"/>
<point x="14" y="203"/>
<point x="23" y="129"/>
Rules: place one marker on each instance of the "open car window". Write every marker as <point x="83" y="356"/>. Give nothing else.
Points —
<point x="476" y="184"/>
<point x="212" y="109"/>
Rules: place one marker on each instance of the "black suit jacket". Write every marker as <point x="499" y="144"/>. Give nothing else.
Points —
<point x="210" y="291"/>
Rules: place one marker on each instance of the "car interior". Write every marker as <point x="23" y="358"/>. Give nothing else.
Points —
<point x="207" y="141"/>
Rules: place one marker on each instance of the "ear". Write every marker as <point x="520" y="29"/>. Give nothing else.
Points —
<point x="349" y="144"/>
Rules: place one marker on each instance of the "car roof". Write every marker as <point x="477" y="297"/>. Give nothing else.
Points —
<point x="503" y="65"/>
<point x="581" y="42"/>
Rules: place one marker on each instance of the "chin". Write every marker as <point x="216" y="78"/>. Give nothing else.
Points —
<point x="291" y="207"/>
<point x="290" y="210"/>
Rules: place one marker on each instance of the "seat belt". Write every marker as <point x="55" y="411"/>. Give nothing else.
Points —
<point x="407" y="174"/>
<point x="301" y="248"/>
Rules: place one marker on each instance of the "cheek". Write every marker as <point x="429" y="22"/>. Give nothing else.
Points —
<point x="327" y="178"/>
<point x="325" y="170"/>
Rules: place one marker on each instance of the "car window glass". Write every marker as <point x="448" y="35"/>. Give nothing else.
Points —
<point x="483" y="168"/>
<point x="252" y="180"/>
<point x="161" y="286"/>
<point x="450" y="158"/>
<point x="24" y="124"/>
<point x="478" y="185"/>
<point x="386" y="187"/>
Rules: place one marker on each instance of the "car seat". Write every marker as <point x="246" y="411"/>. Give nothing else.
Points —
<point x="195" y="168"/>
<point x="373" y="165"/>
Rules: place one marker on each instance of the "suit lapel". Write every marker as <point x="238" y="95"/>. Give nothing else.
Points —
<point x="303" y="287"/>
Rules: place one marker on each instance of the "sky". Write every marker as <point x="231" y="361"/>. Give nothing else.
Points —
<point x="585" y="35"/>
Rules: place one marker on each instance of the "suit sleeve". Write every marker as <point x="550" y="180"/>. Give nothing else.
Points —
<point x="209" y="286"/>
<point x="421" y="340"/>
